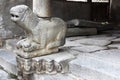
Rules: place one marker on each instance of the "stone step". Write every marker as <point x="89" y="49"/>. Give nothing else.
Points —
<point x="114" y="46"/>
<point x="8" y="61"/>
<point x="117" y="40"/>
<point x="54" y="77"/>
<point x="81" y="31"/>
<point x="102" y="65"/>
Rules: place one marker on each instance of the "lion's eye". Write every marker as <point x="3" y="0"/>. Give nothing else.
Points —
<point x="12" y="15"/>
<point x="16" y="16"/>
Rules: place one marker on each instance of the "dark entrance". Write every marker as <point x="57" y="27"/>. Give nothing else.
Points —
<point x="99" y="11"/>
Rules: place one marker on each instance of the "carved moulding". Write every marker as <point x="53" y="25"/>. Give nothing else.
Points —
<point x="27" y="67"/>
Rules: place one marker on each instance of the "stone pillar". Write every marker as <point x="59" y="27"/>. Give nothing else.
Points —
<point x="42" y="8"/>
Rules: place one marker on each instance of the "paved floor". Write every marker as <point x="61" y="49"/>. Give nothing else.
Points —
<point x="97" y="56"/>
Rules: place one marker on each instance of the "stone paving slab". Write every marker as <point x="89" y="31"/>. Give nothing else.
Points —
<point x="94" y="67"/>
<point x="102" y="37"/>
<point x="3" y="75"/>
<point x="8" y="61"/>
<point x="75" y="38"/>
<point x="95" y="42"/>
<point x="112" y="55"/>
<point x="88" y="48"/>
<point x="117" y="40"/>
<point x="114" y="46"/>
<point x="72" y="44"/>
<point x="89" y="74"/>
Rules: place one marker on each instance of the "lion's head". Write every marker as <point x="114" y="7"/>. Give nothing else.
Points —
<point x="17" y="13"/>
<point x="23" y="16"/>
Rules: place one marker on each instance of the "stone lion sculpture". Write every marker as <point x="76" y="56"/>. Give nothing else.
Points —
<point x="43" y="34"/>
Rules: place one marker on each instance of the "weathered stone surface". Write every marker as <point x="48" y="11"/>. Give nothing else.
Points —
<point x="1" y="42"/>
<point x="9" y="25"/>
<point x="8" y="61"/>
<point x="102" y="37"/>
<point x="114" y="46"/>
<point x="81" y="31"/>
<point x="6" y="34"/>
<point x="62" y="55"/>
<point x="62" y="58"/>
<point x="75" y="38"/>
<point x="111" y="56"/>
<point x="42" y="8"/>
<point x="53" y="77"/>
<point x="49" y="64"/>
<point x="11" y="44"/>
<point x="88" y="48"/>
<point x="117" y="40"/>
<point x="4" y="75"/>
<point x="96" y="42"/>
<point x="72" y="43"/>
<point x="102" y="65"/>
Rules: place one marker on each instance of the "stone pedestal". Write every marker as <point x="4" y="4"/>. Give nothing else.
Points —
<point x="49" y="64"/>
<point x="42" y="8"/>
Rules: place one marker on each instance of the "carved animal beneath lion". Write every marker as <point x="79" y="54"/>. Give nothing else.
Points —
<point x="47" y="34"/>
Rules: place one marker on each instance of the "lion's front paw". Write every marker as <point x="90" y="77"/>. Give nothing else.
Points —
<point x="31" y="47"/>
<point x="20" y="43"/>
<point x="28" y="46"/>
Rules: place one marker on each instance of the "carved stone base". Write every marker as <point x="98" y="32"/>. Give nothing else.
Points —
<point x="49" y="64"/>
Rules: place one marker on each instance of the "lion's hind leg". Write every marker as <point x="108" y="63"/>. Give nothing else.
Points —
<point x="59" y="41"/>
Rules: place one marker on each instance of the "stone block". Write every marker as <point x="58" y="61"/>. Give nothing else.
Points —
<point x="96" y="42"/>
<point x="8" y="61"/>
<point x="117" y="40"/>
<point x="81" y="31"/>
<point x="49" y="64"/>
<point x="114" y="46"/>
<point x="54" y="63"/>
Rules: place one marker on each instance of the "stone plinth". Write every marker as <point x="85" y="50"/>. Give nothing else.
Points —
<point x="49" y="64"/>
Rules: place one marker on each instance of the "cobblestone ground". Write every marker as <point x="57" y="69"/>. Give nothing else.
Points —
<point x="87" y="49"/>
